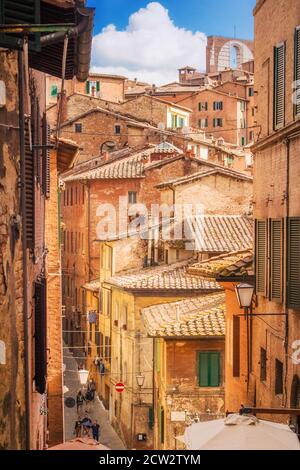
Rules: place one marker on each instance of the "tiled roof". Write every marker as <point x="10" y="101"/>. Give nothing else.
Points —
<point x="237" y="264"/>
<point x="171" y="278"/>
<point x="220" y="233"/>
<point x="124" y="165"/>
<point x="198" y="316"/>
<point x="93" y="286"/>
<point x="203" y="174"/>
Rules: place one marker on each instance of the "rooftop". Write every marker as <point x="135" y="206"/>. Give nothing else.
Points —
<point x="216" y="169"/>
<point x="190" y="318"/>
<point x="93" y="286"/>
<point x="220" y="233"/>
<point x="173" y="279"/>
<point x="237" y="264"/>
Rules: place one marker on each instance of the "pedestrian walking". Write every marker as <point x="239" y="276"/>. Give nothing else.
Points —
<point x="86" y="424"/>
<point x="95" y="430"/>
<point x="92" y="389"/>
<point x="77" y="429"/>
<point x="80" y="399"/>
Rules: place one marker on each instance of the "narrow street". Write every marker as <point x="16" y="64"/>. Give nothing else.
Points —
<point x="108" y="436"/>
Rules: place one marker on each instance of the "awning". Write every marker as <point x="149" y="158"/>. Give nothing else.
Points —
<point x="240" y="433"/>
<point x="80" y="444"/>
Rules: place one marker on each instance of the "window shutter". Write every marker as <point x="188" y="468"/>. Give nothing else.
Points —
<point x="236" y="346"/>
<point x="29" y="185"/>
<point x="162" y="424"/>
<point x="40" y="336"/>
<point x="297" y="71"/>
<point x="98" y="86"/>
<point x="293" y="268"/>
<point x="46" y="158"/>
<point x="203" y="369"/>
<point x="261" y="256"/>
<point x="88" y="87"/>
<point x="276" y="259"/>
<point x="279" y="86"/>
<point x="214" y="370"/>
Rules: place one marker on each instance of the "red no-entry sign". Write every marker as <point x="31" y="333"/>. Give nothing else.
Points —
<point x="120" y="387"/>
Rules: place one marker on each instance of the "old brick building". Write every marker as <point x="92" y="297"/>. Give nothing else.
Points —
<point x="103" y="86"/>
<point x="188" y="364"/>
<point x="276" y="371"/>
<point x="27" y="199"/>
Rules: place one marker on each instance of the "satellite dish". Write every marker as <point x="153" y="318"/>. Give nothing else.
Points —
<point x="161" y="126"/>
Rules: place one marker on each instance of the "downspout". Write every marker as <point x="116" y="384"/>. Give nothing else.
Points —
<point x="24" y="248"/>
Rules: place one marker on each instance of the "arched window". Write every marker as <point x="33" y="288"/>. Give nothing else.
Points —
<point x="234" y="57"/>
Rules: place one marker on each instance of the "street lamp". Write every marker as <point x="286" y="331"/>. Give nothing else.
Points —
<point x="83" y="376"/>
<point x="140" y="380"/>
<point x="244" y="293"/>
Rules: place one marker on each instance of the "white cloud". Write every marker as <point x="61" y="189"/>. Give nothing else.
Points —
<point x="151" y="48"/>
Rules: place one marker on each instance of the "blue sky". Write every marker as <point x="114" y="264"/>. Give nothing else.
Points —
<point x="150" y="40"/>
<point x="213" y="17"/>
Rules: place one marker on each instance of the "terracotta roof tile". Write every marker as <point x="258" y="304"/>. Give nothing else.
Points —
<point x="173" y="277"/>
<point x="198" y="316"/>
<point x="236" y="264"/>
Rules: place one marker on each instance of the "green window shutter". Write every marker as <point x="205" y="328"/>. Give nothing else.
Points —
<point x="151" y="417"/>
<point x="200" y="106"/>
<point x="97" y="86"/>
<point x="261" y="256"/>
<point x="203" y="369"/>
<point x="87" y="87"/>
<point x="293" y="263"/>
<point x="214" y="369"/>
<point x="297" y="71"/>
<point x="279" y="86"/>
<point x="276" y="259"/>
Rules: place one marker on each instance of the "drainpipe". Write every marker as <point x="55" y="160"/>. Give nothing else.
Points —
<point x="24" y="248"/>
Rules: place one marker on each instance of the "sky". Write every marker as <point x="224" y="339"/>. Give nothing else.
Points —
<point x="150" y="40"/>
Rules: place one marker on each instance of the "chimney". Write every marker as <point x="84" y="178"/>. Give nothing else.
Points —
<point x="62" y="103"/>
<point x="105" y="156"/>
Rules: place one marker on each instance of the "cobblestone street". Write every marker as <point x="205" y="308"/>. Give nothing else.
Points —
<point x="108" y="436"/>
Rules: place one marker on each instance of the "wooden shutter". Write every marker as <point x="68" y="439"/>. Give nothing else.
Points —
<point x="236" y="347"/>
<point x="297" y="71"/>
<point x="293" y="263"/>
<point x="214" y="369"/>
<point x="279" y="86"/>
<point x="97" y="86"/>
<point x="87" y="87"/>
<point x="46" y="158"/>
<point x="203" y="369"/>
<point x="29" y="192"/>
<point x="40" y="336"/>
<point x="261" y="256"/>
<point x="276" y="260"/>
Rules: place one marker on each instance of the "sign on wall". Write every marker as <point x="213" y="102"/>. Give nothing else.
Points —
<point x="178" y="416"/>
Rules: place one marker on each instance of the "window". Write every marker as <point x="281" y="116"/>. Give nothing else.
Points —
<point x="108" y="303"/>
<point x="251" y="136"/>
<point x="117" y="129"/>
<point x="218" y="122"/>
<point x="203" y="106"/>
<point x="218" y="105"/>
<point x="181" y="122"/>
<point x="78" y="128"/>
<point x="132" y="197"/>
<point x="243" y="123"/>
<point x="242" y="141"/>
<point x="261" y="256"/>
<point x="203" y="123"/>
<point x="297" y="71"/>
<point x="209" y="369"/>
<point x="93" y="87"/>
<point x="251" y="91"/>
<point x="243" y="106"/>
<point x="236" y="346"/>
<point x="278" y="377"/>
<point x="279" y="86"/>
<point x="293" y="263"/>
<point x="263" y="365"/>
<point x="54" y="91"/>
<point x="125" y="317"/>
<point x="276" y="259"/>
<point x="107" y="349"/>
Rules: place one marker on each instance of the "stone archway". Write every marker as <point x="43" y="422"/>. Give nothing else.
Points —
<point x="295" y="402"/>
